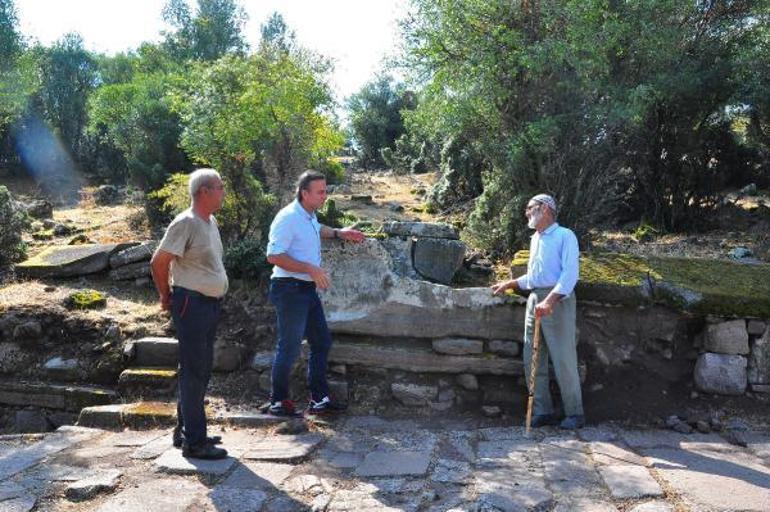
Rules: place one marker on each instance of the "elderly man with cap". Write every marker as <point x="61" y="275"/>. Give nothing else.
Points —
<point x="552" y="272"/>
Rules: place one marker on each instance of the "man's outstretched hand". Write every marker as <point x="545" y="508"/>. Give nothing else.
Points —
<point x="351" y="235"/>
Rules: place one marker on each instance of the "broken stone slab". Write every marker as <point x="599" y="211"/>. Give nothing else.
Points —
<point x="422" y="361"/>
<point x="131" y="271"/>
<point x="584" y="505"/>
<point x="759" y="360"/>
<point x="88" y="488"/>
<point x="69" y="260"/>
<point x="615" y="453"/>
<point x="452" y="471"/>
<point x="438" y="260"/>
<point x="458" y="346"/>
<point x="141" y="252"/>
<point x="626" y="482"/>
<point x="228" y="498"/>
<point x="421" y="229"/>
<point x="153" y="449"/>
<point x="727" y="338"/>
<point x="248" y="419"/>
<point x="721" y="374"/>
<point x="166" y="494"/>
<point x="172" y="461"/>
<point x="512" y="490"/>
<point x="568" y="471"/>
<point x="54" y="396"/>
<point x="284" y="448"/>
<point x="413" y="394"/>
<point x="19" y="504"/>
<point x="394" y="463"/>
<point x="653" y="506"/>
<point x="368" y="298"/>
<point x="154" y="351"/>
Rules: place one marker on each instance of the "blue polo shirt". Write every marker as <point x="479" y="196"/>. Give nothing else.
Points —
<point x="296" y="233"/>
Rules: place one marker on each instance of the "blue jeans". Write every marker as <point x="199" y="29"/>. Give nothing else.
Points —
<point x="300" y="315"/>
<point x="195" y="318"/>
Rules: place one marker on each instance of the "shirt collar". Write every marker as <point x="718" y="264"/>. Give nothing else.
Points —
<point x="299" y="209"/>
<point x="551" y="228"/>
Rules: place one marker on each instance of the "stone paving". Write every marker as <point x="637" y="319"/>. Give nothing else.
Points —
<point x="373" y="464"/>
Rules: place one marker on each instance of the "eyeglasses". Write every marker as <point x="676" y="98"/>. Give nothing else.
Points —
<point x="531" y="207"/>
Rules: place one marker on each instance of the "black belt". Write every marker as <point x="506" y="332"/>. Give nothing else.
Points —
<point x="193" y="293"/>
<point x="293" y="280"/>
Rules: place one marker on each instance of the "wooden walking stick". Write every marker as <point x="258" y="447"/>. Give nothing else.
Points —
<point x="532" y="375"/>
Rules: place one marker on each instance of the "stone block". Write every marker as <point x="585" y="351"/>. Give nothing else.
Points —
<point x="458" y="346"/>
<point x="756" y="327"/>
<point x="413" y="394"/>
<point x="504" y="348"/>
<point x="102" y="416"/>
<point x="62" y="369"/>
<point x="721" y="374"/>
<point x="70" y="260"/>
<point x="31" y="421"/>
<point x="339" y="390"/>
<point x="88" y="488"/>
<point x="468" y="381"/>
<point x="262" y="361"/>
<point x="31" y="330"/>
<point x="227" y="357"/>
<point x="131" y="271"/>
<point x="141" y="252"/>
<point x="727" y="337"/>
<point x="759" y="360"/>
<point x="421" y="229"/>
<point x="437" y="259"/>
<point x="155" y="351"/>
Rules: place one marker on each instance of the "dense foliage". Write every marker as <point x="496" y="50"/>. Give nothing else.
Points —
<point x="13" y="220"/>
<point x="621" y="109"/>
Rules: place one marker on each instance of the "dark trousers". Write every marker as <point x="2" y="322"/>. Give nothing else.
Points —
<point x="195" y="318"/>
<point x="300" y="315"/>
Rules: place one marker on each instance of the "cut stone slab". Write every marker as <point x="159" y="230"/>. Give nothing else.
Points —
<point x="69" y="260"/>
<point x="172" y="461"/>
<point x="438" y="260"/>
<point x="88" y="488"/>
<point x="627" y="482"/>
<point x="721" y="374"/>
<point x="458" y="346"/>
<point x="421" y="361"/>
<point x="708" y="481"/>
<point x="585" y="505"/>
<point x="143" y="415"/>
<point x="157" y="494"/>
<point x="20" y="504"/>
<point x="653" y="506"/>
<point x="141" y="252"/>
<point x="568" y="471"/>
<point x="148" y="381"/>
<point x="248" y="419"/>
<point x="258" y="475"/>
<point x="421" y="229"/>
<point x="153" y="449"/>
<point x="394" y="463"/>
<point x="54" y="396"/>
<point x="727" y="338"/>
<point x="452" y="471"/>
<point x="665" y="438"/>
<point x="512" y="490"/>
<point x="132" y="438"/>
<point x="345" y="460"/>
<point x="615" y="454"/>
<point x="155" y="351"/>
<point x="284" y="448"/>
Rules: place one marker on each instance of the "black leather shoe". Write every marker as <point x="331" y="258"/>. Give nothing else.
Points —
<point x="177" y="438"/>
<point x="573" y="422"/>
<point x="204" y="451"/>
<point x="543" y="420"/>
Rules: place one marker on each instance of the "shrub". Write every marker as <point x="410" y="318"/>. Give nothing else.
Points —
<point x="246" y="259"/>
<point x="333" y="170"/>
<point x="330" y="216"/>
<point x="13" y="220"/>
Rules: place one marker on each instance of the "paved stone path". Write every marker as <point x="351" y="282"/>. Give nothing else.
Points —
<point x="371" y="464"/>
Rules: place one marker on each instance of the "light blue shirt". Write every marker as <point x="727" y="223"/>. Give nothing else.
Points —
<point x="296" y="233"/>
<point x="553" y="261"/>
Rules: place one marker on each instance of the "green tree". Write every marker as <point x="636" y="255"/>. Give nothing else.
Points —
<point x="213" y="31"/>
<point x="136" y="118"/>
<point x="617" y="108"/>
<point x="375" y="118"/>
<point x="13" y="220"/>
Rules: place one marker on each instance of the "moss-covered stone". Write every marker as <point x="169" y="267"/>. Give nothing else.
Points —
<point x="695" y="285"/>
<point x="86" y="299"/>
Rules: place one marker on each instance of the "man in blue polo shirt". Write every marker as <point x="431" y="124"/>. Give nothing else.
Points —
<point x="294" y="249"/>
<point x="552" y="272"/>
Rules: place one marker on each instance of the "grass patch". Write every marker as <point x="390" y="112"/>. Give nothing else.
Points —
<point x="695" y="285"/>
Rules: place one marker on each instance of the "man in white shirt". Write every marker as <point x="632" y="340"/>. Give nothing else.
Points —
<point x="552" y="272"/>
<point x="294" y="248"/>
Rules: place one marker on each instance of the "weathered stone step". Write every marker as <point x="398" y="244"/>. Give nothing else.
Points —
<point x="422" y="361"/>
<point x="55" y="396"/>
<point x="147" y="381"/>
<point x="140" y="415"/>
<point x="153" y="352"/>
